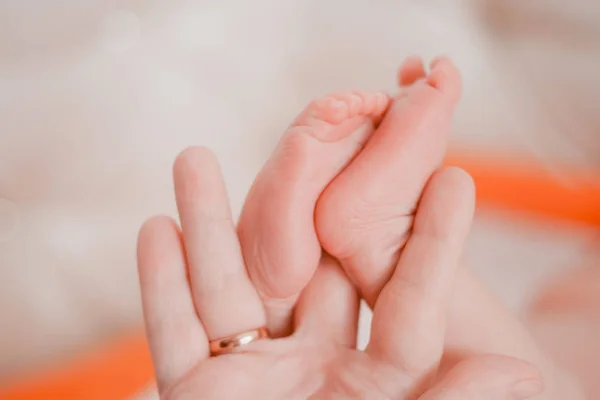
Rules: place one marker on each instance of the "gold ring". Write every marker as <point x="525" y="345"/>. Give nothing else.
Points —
<point x="227" y="344"/>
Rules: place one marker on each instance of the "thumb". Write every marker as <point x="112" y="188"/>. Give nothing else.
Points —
<point x="490" y="377"/>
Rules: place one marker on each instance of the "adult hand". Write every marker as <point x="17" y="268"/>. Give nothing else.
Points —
<point x="196" y="293"/>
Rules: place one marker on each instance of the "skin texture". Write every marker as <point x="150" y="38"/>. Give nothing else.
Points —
<point x="195" y="289"/>
<point x="317" y="146"/>
<point x="364" y="216"/>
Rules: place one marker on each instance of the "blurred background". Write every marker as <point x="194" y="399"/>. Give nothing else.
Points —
<point x="97" y="98"/>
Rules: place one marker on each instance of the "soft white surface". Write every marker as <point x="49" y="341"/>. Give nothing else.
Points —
<point x="96" y="100"/>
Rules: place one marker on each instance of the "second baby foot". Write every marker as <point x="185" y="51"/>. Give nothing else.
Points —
<point x="364" y="216"/>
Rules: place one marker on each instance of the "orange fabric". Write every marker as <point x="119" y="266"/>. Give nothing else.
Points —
<point x="115" y="372"/>
<point x="520" y="184"/>
<point x="125" y="368"/>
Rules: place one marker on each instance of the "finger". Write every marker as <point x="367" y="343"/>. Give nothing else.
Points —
<point x="176" y="337"/>
<point x="327" y="311"/>
<point x="410" y="71"/>
<point x="409" y="315"/>
<point x="490" y="377"/>
<point x="226" y="300"/>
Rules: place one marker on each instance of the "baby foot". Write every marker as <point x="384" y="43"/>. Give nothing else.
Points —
<point x="364" y="216"/>
<point x="276" y="227"/>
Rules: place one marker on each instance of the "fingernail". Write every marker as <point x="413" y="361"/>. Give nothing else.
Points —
<point x="526" y="389"/>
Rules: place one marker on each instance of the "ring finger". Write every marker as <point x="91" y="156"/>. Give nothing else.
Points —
<point x="226" y="301"/>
